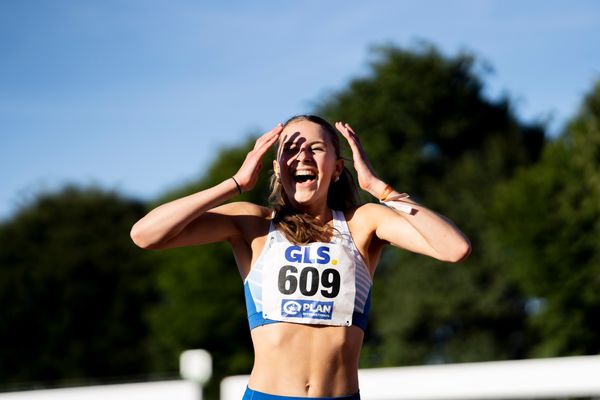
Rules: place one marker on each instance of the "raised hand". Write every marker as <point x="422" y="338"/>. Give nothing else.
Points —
<point x="367" y="179"/>
<point x="248" y="173"/>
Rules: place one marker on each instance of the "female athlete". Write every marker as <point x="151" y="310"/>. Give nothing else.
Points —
<point x="308" y="259"/>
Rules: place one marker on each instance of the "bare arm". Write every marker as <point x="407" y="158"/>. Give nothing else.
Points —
<point x="422" y="230"/>
<point x="185" y="221"/>
<point x="167" y="222"/>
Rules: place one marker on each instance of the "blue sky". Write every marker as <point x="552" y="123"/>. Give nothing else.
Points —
<point x="139" y="95"/>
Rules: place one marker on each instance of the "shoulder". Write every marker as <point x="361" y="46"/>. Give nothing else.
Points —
<point x="363" y="222"/>
<point x="366" y="216"/>
<point x="249" y="220"/>
<point x="365" y="212"/>
<point x="241" y="209"/>
<point x="242" y="217"/>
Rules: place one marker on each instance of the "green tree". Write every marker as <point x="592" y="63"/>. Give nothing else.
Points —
<point x="73" y="290"/>
<point x="548" y="222"/>
<point x="429" y="131"/>
<point x="83" y="301"/>
<point x="202" y="301"/>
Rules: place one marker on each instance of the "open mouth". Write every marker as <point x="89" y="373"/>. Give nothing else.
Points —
<point x="304" y="176"/>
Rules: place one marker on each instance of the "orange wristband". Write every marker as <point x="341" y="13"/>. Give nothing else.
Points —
<point x="386" y="192"/>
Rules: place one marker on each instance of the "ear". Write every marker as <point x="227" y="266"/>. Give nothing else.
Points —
<point x="339" y="167"/>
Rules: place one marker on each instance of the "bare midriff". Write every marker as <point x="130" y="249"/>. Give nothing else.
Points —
<point x="306" y="360"/>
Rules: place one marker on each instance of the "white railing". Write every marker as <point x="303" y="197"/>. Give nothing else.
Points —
<point x="165" y="390"/>
<point x="195" y="367"/>
<point x="523" y="379"/>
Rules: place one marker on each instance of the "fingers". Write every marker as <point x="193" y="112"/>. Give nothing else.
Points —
<point x="365" y="173"/>
<point x="248" y="173"/>
<point x="348" y="133"/>
<point x="342" y="128"/>
<point x="346" y="130"/>
<point x="267" y="139"/>
<point x="264" y="142"/>
<point x="347" y="126"/>
<point x="358" y="153"/>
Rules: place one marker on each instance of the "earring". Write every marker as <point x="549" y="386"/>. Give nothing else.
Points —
<point x="337" y="178"/>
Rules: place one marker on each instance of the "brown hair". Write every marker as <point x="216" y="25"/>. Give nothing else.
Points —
<point x="299" y="227"/>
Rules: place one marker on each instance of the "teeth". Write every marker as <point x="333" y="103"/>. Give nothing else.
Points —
<point x="304" y="173"/>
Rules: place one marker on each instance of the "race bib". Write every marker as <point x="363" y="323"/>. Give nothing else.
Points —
<point x="309" y="284"/>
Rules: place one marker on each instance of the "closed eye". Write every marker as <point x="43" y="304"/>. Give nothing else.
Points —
<point x="294" y="148"/>
<point x="290" y="149"/>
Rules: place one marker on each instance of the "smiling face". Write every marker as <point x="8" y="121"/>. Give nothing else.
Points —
<point x="306" y="165"/>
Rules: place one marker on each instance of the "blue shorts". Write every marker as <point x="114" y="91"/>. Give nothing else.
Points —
<point x="254" y="395"/>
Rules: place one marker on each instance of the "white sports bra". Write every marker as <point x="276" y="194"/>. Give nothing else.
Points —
<point x="318" y="283"/>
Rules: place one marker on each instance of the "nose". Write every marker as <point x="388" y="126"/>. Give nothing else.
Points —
<point x="304" y="154"/>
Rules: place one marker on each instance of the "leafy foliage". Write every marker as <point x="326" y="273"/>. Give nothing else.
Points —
<point x="548" y="219"/>
<point x="203" y="300"/>
<point x="80" y="300"/>
<point x="429" y="131"/>
<point x="73" y="290"/>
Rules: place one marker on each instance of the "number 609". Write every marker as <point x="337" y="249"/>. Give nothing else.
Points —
<point x="309" y="281"/>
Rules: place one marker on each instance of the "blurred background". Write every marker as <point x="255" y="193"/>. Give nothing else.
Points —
<point x="487" y="111"/>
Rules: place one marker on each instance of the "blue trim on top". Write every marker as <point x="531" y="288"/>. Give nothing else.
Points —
<point x="256" y="319"/>
<point x="250" y="304"/>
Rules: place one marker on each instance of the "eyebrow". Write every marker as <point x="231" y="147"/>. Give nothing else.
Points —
<point x="290" y="143"/>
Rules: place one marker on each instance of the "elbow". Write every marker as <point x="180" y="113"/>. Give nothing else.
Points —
<point x="139" y="238"/>
<point x="460" y="253"/>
